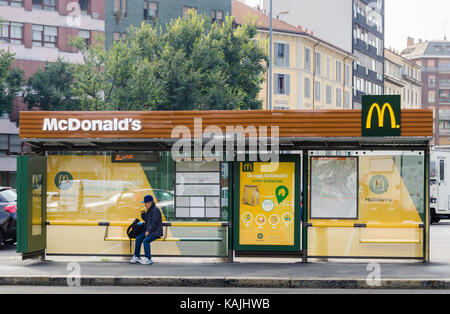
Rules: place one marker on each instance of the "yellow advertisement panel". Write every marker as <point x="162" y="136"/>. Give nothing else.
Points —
<point x="267" y="199"/>
<point x="390" y="212"/>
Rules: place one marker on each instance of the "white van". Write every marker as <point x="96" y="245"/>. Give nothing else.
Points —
<point x="439" y="185"/>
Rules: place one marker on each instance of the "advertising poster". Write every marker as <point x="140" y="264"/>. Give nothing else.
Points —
<point x="334" y="187"/>
<point x="267" y="200"/>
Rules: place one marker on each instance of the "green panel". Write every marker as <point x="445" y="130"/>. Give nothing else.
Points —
<point x="381" y="115"/>
<point x="32" y="198"/>
<point x="297" y="216"/>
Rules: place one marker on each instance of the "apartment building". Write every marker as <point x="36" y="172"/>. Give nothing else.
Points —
<point x="121" y="14"/>
<point x="434" y="57"/>
<point x="403" y="77"/>
<point x="40" y="30"/>
<point x="353" y="25"/>
<point x="10" y="147"/>
<point x="308" y="73"/>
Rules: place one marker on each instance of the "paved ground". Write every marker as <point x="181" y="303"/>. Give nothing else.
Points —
<point x="199" y="291"/>
<point x="440" y="242"/>
<point x="438" y="269"/>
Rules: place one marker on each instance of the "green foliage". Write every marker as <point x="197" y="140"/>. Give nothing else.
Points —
<point x="192" y="65"/>
<point x="11" y="80"/>
<point x="90" y="84"/>
<point x="50" y="88"/>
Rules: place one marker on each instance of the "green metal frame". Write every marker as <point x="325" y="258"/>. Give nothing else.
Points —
<point x="27" y="166"/>
<point x="297" y="216"/>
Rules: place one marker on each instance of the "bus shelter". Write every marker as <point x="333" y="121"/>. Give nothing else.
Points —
<point x="344" y="184"/>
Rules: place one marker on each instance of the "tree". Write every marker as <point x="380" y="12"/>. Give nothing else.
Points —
<point x="11" y="80"/>
<point x="192" y="65"/>
<point x="89" y="83"/>
<point x="50" y="88"/>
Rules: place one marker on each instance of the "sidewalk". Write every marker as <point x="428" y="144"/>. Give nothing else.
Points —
<point x="207" y="273"/>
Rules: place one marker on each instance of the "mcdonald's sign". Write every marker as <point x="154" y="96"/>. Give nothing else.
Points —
<point x="247" y="166"/>
<point x="381" y="115"/>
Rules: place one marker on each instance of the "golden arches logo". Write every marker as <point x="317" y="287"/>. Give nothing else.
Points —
<point x="63" y="180"/>
<point x="381" y="115"/>
<point x="247" y="167"/>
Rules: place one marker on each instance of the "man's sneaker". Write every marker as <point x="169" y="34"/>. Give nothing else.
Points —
<point x="145" y="261"/>
<point x="135" y="260"/>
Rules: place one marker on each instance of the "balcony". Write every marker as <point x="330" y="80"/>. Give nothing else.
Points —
<point x="410" y="79"/>
<point x="443" y="83"/>
<point x="444" y="68"/>
<point x="370" y="75"/>
<point x="444" y="96"/>
<point x="370" y="50"/>
<point x="358" y="96"/>
<point x="362" y="20"/>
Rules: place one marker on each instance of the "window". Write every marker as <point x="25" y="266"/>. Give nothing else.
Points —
<point x="338" y="97"/>
<point x="11" y="32"/>
<point x="217" y="16"/>
<point x="44" y="36"/>
<point x="86" y="35"/>
<point x="328" y="67"/>
<point x="281" y="55"/>
<point x="44" y="4"/>
<point x="119" y="36"/>
<point x="120" y="6"/>
<point x="186" y="9"/>
<point x="150" y="10"/>
<point x="307" y="59"/>
<point x="84" y="6"/>
<point x="317" y="91"/>
<point x="441" y="169"/>
<point x="318" y="61"/>
<point x="124" y="7"/>
<point x="431" y="96"/>
<point x="307" y="88"/>
<point x="282" y="82"/>
<point x="329" y="100"/>
<point x="13" y="3"/>
<point x="347" y="74"/>
<point x="338" y="71"/>
<point x="347" y="100"/>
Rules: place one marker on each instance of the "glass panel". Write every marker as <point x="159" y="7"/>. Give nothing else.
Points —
<point x="195" y="190"/>
<point x="391" y="208"/>
<point x="113" y="191"/>
<point x="267" y="199"/>
<point x="334" y="187"/>
<point x="36" y="216"/>
<point x="198" y="177"/>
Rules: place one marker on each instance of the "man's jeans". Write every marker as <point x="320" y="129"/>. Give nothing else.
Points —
<point x="146" y="240"/>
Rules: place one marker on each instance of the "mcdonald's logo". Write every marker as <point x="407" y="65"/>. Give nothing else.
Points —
<point x="247" y="166"/>
<point x="63" y="180"/>
<point x="381" y="115"/>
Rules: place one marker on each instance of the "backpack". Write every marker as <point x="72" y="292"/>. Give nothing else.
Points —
<point x="135" y="229"/>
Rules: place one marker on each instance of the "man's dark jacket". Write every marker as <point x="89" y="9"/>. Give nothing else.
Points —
<point x="153" y="221"/>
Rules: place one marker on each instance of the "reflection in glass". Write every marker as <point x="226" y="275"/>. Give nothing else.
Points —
<point x="36" y="216"/>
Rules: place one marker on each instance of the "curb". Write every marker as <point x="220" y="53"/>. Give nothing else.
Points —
<point x="227" y="282"/>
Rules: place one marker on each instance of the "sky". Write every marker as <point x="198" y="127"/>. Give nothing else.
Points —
<point x="423" y="19"/>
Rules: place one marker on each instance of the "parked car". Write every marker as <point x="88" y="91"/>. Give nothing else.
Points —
<point x="8" y="216"/>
